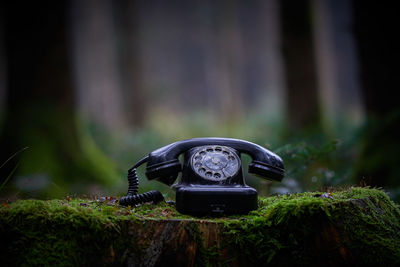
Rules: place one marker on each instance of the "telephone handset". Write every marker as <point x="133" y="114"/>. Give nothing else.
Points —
<point x="212" y="181"/>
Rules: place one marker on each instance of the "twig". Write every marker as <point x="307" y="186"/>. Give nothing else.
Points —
<point x="13" y="155"/>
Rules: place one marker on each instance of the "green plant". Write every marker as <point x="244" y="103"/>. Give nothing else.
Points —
<point x="2" y="185"/>
<point x="307" y="167"/>
<point x="299" y="157"/>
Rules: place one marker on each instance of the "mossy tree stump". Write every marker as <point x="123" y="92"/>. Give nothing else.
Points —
<point x="356" y="225"/>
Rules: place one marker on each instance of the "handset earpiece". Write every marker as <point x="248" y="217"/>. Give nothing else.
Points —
<point x="165" y="172"/>
<point x="266" y="170"/>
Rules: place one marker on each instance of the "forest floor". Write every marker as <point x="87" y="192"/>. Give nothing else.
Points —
<point x="349" y="225"/>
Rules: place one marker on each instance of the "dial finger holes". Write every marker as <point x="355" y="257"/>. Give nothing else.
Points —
<point x="198" y="158"/>
<point x="209" y="174"/>
<point x="217" y="175"/>
<point x="210" y="149"/>
<point x="218" y="149"/>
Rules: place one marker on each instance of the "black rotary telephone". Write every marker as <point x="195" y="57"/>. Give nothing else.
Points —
<point x="212" y="180"/>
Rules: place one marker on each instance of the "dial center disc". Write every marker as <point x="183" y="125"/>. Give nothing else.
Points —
<point x="215" y="161"/>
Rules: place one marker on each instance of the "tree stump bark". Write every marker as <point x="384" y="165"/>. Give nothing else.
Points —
<point x="353" y="226"/>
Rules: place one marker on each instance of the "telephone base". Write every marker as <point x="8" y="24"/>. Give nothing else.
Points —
<point x="209" y="200"/>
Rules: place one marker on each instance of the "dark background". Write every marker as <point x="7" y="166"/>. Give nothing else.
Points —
<point x="89" y="87"/>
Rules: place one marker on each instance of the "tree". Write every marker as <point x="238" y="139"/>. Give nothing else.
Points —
<point x="128" y="21"/>
<point x="299" y="61"/>
<point x="375" y="28"/>
<point x="40" y="111"/>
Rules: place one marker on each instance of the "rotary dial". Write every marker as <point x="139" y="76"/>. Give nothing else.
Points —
<point x="216" y="163"/>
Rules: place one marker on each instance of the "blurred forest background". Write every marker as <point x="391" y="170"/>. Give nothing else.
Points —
<point x="87" y="88"/>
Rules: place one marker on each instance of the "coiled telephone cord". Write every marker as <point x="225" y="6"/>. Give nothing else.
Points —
<point x="132" y="198"/>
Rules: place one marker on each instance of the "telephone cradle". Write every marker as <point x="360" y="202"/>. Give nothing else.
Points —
<point x="212" y="181"/>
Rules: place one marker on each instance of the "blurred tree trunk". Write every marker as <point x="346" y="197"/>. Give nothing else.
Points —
<point x="263" y="82"/>
<point x="135" y="100"/>
<point x="230" y="47"/>
<point x="337" y="64"/>
<point x="95" y="64"/>
<point x="224" y="60"/>
<point x="300" y="66"/>
<point x="40" y="111"/>
<point x="2" y="65"/>
<point x="378" y="48"/>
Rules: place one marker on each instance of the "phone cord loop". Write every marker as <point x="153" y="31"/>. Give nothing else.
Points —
<point x="132" y="198"/>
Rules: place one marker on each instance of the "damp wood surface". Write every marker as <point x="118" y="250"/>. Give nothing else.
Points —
<point x="348" y="226"/>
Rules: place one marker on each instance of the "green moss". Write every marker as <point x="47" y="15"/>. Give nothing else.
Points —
<point x="353" y="225"/>
<point x="358" y="224"/>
